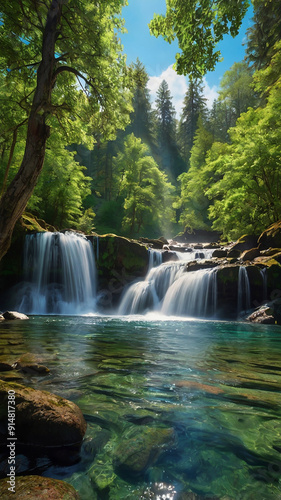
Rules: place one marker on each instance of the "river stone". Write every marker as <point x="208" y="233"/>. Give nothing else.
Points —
<point x="42" y="418"/>
<point x="28" y="363"/>
<point x="14" y="315"/>
<point x="220" y="253"/>
<point x="140" y="448"/>
<point x="38" y="488"/>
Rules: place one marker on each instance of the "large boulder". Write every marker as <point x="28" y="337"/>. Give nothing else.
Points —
<point x="120" y="261"/>
<point x="246" y="242"/>
<point x="14" y="315"/>
<point x="42" y="418"/>
<point x="271" y="237"/>
<point x="36" y="488"/>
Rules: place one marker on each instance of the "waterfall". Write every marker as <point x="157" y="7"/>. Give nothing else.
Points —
<point x="170" y="289"/>
<point x="193" y="294"/>
<point x="244" y="292"/>
<point x="155" y="258"/>
<point x="60" y="275"/>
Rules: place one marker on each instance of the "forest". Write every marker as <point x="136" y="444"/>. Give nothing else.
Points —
<point x="108" y="161"/>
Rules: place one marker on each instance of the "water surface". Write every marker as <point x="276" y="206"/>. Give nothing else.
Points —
<point x="216" y="385"/>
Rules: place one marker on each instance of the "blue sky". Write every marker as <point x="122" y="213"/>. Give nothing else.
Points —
<point x="158" y="56"/>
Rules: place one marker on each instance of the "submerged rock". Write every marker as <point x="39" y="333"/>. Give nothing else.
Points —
<point x="28" y="363"/>
<point x="140" y="448"/>
<point x="42" y="418"/>
<point x="14" y="315"/>
<point x="38" y="488"/>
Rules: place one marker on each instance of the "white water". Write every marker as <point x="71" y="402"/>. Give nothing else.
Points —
<point x="60" y="274"/>
<point x="168" y="288"/>
<point x="155" y="258"/>
<point x="244" y="292"/>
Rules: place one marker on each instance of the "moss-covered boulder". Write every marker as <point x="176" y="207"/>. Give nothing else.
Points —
<point x="245" y="242"/>
<point x="271" y="237"/>
<point x="140" y="448"/>
<point x="42" y="418"/>
<point x="37" y="488"/>
<point x="250" y="255"/>
<point x="119" y="262"/>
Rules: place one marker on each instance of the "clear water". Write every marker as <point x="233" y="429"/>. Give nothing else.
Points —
<point x="215" y="384"/>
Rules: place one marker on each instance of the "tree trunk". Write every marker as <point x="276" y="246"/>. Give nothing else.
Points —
<point x="14" y="200"/>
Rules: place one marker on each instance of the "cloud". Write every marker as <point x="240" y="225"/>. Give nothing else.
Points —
<point x="178" y="85"/>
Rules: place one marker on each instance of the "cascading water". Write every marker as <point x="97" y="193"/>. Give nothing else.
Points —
<point x="244" y="292"/>
<point x="60" y="274"/>
<point x="155" y="258"/>
<point x="170" y="289"/>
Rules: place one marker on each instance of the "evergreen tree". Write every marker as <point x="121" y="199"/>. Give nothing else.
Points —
<point x="141" y="118"/>
<point x="236" y="91"/>
<point x="265" y="32"/>
<point x="165" y="124"/>
<point x="194" y="104"/>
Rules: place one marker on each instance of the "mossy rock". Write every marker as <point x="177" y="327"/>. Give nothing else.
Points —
<point x="38" y="488"/>
<point x="42" y="418"/>
<point x="140" y="448"/>
<point x="120" y="261"/>
<point x="271" y="237"/>
<point x="227" y="291"/>
<point x="245" y="242"/>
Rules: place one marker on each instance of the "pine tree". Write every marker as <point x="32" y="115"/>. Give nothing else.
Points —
<point x="141" y="118"/>
<point x="165" y="124"/>
<point x="194" y="104"/>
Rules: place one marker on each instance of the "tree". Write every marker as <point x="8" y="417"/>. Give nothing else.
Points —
<point x="265" y="32"/>
<point x="168" y="155"/>
<point x="61" y="188"/>
<point x="194" y="104"/>
<point x="236" y="90"/>
<point x="147" y="194"/>
<point x="247" y="196"/>
<point x="70" y="57"/>
<point x="193" y="201"/>
<point x="198" y="27"/>
<point x="141" y="118"/>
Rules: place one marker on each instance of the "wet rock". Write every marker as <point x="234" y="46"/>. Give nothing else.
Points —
<point x="246" y="242"/>
<point x="263" y="315"/>
<point x="38" y="488"/>
<point x="168" y="256"/>
<point x="250" y="254"/>
<point x="195" y="265"/>
<point x="271" y="237"/>
<point x="28" y="363"/>
<point x="269" y="252"/>
<point x="220" y="253"/>
<point x="43" y="419"/>
<point x="153" y="243"/>
<point x="233" y="253"/>
<point x="140" y="447"/>
<point x="120" y="262"/>
<point x="211" y="389"/>
<point x="1" y="317"/>
<point x="14" y="315"/>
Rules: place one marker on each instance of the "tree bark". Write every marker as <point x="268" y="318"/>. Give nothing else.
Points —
<point x="14" y="200"/>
